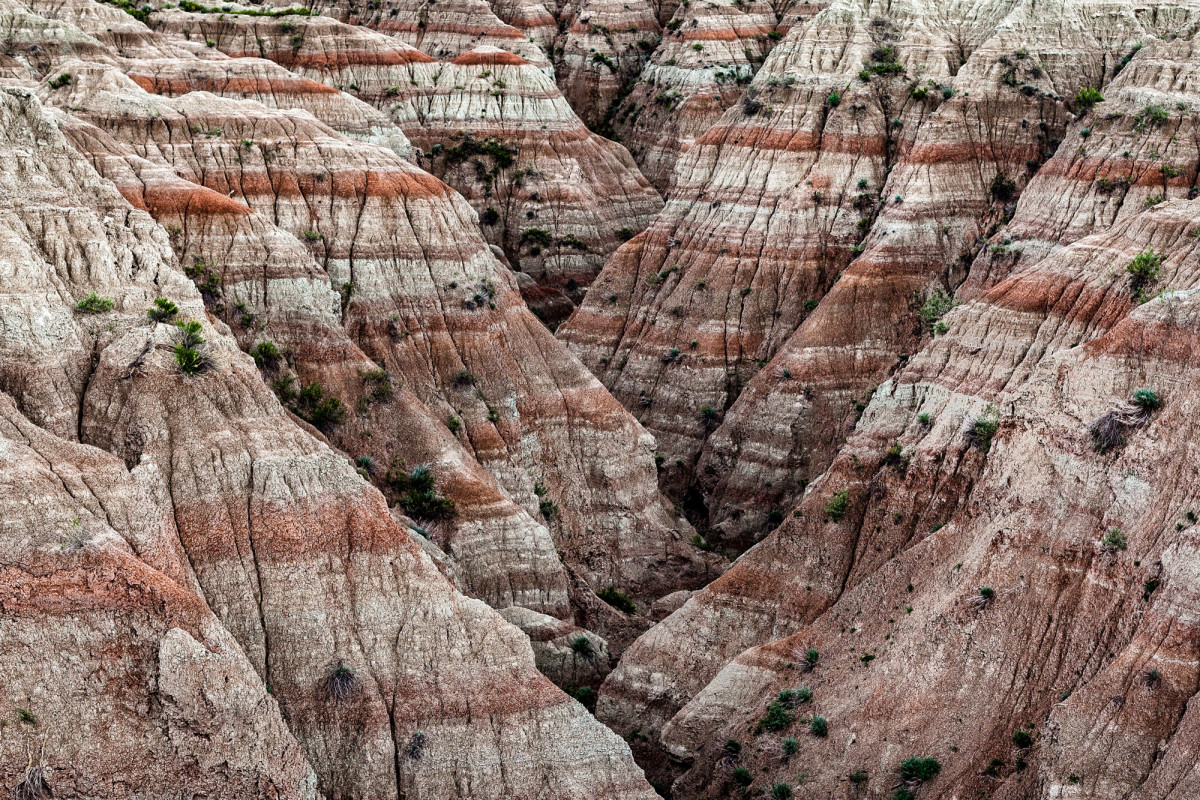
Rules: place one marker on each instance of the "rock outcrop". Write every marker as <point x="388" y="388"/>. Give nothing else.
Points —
<point x="210" y="496"/>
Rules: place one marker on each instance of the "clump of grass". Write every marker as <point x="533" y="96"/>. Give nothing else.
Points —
<point x="1143" y="271"/>
<point x="266" y="355"/>
<point x="778" y="717"/>
<point x="936" y="306"/>
<point x="818" y="727"/>
<point x="1087" y="97"/>
<point x="582" y="646"/>
<point x="323" y="411"/>
<point x="781" y="791"/>
<point x="1022" y="739"/>
<point x="980" y="432"/>
<point x="1109" y="429"/>
<point x="742" y="777"/>
<point x="1114" y="540"/>
<point x="341" y="684"/>
<point x="790" y="747"/>
<point x="94" y="304"/>
<point x="416" y="746"/>
<point x="617" y="599"/>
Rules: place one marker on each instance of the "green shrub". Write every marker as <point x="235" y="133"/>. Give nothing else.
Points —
<point x="1087" y="97"/>
<point x="1022" y="739"/>
<point x="417" y="493"/>
<point x="62" y="80"/>
<point x="781" y="791"/>
<point x="490" y="216"/>
<point x="790" y="747"/>
<point x="1146" y="399"/>
<point x="617" y="599"/>
<point x="1115" y="539"/>
<point x="833" y="100"/>
<point x="94" y="304"/>
<point x="266" y="355"/>
<point x="981" y="432"/>
<point x="319" y="409"/>
<point x="162" y="310"/>
<point x="919" y="769"/>
<point x="732" y="748"/>
<point x="548" y="507"/>
<point x="819" y="727"/>
<point x="538" y="236"/>
<point x="1144" y="268"/>
<point x="935" y="307"/>
<point x="858" y="776"/>
<point x="742" y="777"/>
<point x="987" y="592"/>
<point x="582" y="647"/>
<point x="835" y="509"/>
<point x="777" y="718"/>
<point x="26" y="717"/>
<point x="810" y="659"/>
<point x="1152" y="115"/>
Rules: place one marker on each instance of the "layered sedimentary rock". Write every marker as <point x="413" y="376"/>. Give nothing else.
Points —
<point x="490" y="123"/>
<point x="1007" y="499"/>
<point x="941" y="199"/>
<point x="602" y="50"/>
<point x="708" y="55"/>
<point x="233" y="506"/>
<point x="148" y="689"/>
<point x="443" y="30"/>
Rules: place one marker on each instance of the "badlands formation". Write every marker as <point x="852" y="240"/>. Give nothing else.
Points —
<point x="492" y="399"/>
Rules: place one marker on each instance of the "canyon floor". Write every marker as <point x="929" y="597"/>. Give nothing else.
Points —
<point x="600" y="400"/>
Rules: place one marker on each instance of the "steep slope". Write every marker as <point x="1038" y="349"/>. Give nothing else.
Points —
<point x="489" y="123"/>
<point x="337" y="609"/>
<point x="787" y="426"/>
<point x="708" y="55"/>
<point x="89" y="558"/>
<point x="1026" y="574"/>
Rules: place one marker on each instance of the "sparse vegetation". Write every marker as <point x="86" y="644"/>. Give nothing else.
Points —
<point x="266" y="355"/>
<point x="1143" y="271"/>
<point x="416" y="492"/>
<point x="980" y="431"/>
<point x="1087" y="97"/>
<point x="341" y="684"/>
<point x="163" y="310"/>
<point x="189" y="354"/>
<point x="1022" y="739"/>
<point x="937" y="305"/>
<point x="838" y="503"/>
<point x="321" y="410"/>
<point x="742" y="777"/>
<point x="1114" y="540"/>
<point x="781" y="791"/>
<point x="790" y="747"/>
<point x="818" y="727"/>
<point x="62" y="80"/>
<point x="919" y="769"/>
<point x="94" y="304"/>
<point x="617" y="599"/>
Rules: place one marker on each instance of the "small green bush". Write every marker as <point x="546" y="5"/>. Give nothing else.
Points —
<point x="582" y="646"/>
<point x="777" y="718"/>
<point x="833" y="100"/>
<point x="919" y="769"/>
<point x="266" y="355"/>
<point x="1115" y="539"/>
<point x="1087" y="97"/>
<point x="1022" y="739"/>
<point x="1144" y="268"/>
<point x="163" y="310"/>
<point x="62" y="80"/>
<point x="1146" y="399"/>
<point x="319" y="409"/>
<point x="781" y="791"/>
<point x="935" y="307"/>
<point x="790" y="747"/>
<point x="819" y="727"/>
<point x="94" y="304"/>
<point x="858" y="776"/>
<point x="617" y="599"/>
<point x="835" y="509"/>
<point x="742" y="777"/>
<point x="987" y="592"/>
